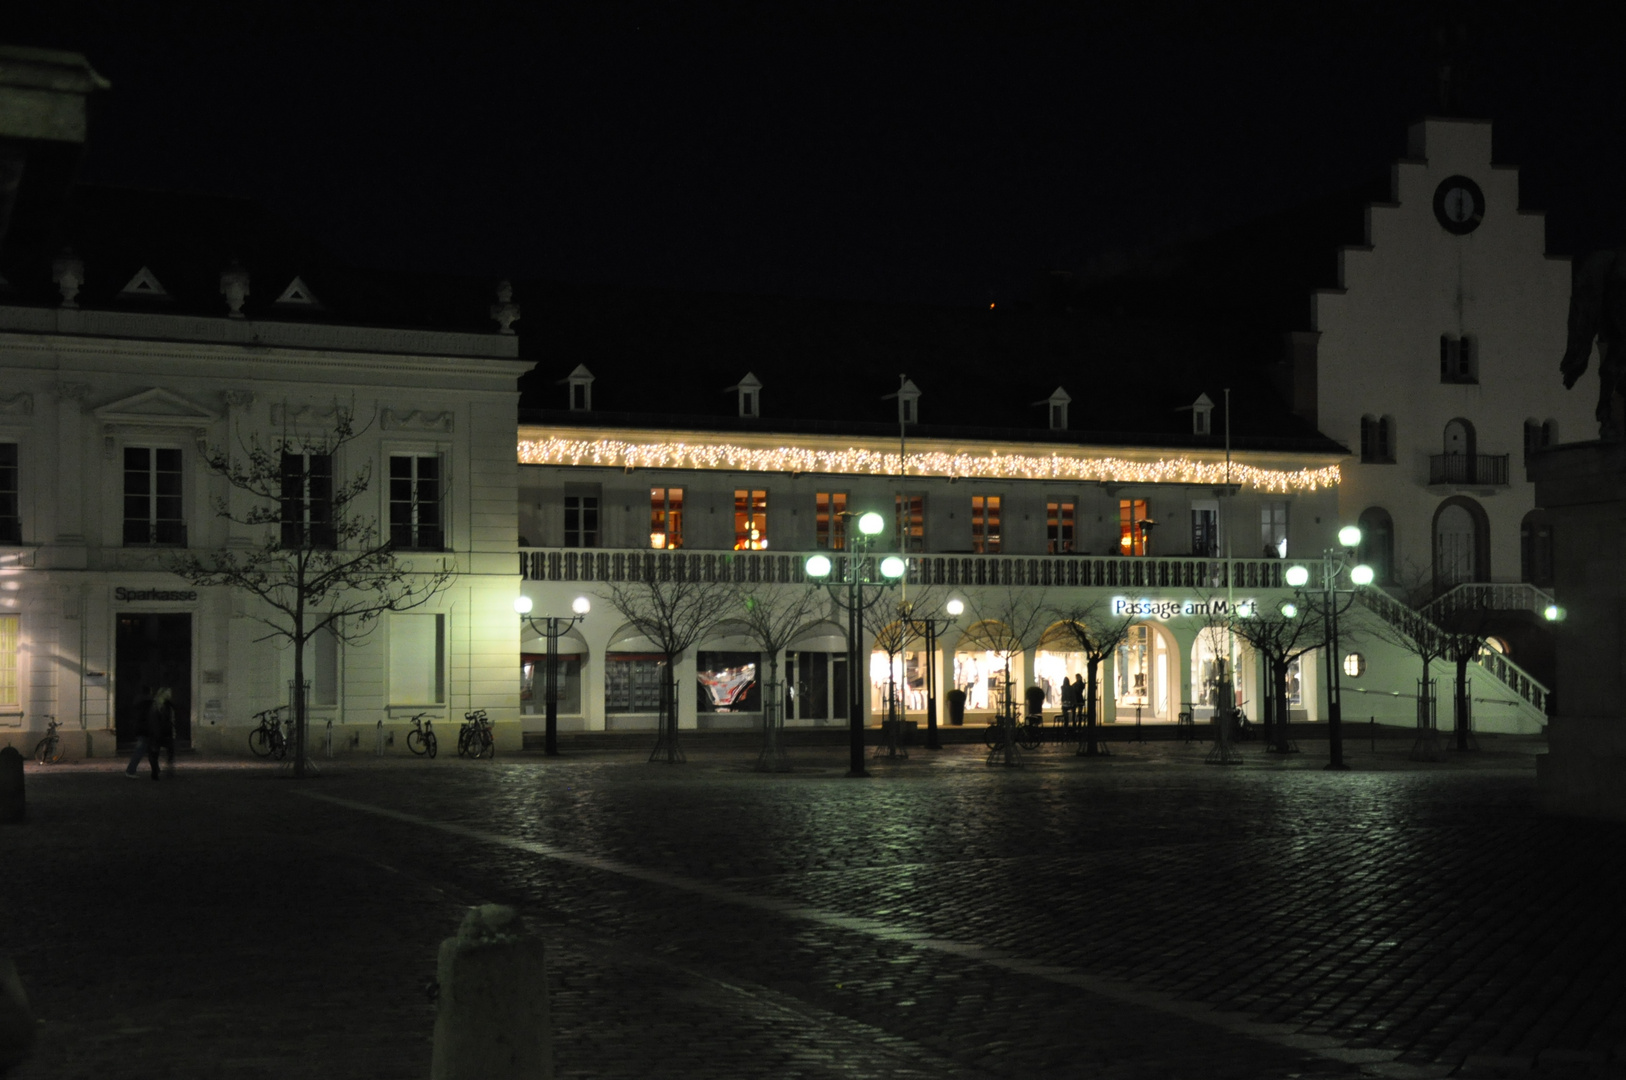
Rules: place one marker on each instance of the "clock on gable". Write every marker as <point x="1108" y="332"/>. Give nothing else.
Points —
<point x="1459" y="205"/>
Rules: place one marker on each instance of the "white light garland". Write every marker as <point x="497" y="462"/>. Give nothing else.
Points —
<point x="622" y="454"/>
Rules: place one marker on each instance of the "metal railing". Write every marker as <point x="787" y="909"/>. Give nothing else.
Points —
<point x="1491" y="596"/>
<point x="1478" y="470"/>
<point x="1108" y="572"/>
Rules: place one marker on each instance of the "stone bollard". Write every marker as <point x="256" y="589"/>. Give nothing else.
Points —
<point x="13" y="809"/>
<point x="493" y="1018"/>
<point x="16" y="1021"/>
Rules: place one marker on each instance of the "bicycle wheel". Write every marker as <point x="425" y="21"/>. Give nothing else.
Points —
<point x="279" y="746"/>
<point x="465" y="744"/>
<point x="995" y="735"/>
<point x="258" y="742"/>
<point x="431" y="743"/>
<point x="488" y="744"/>
<point x="45" y="752"/>
<point x="1029" y="735"/>
<point x="415" y="742"/>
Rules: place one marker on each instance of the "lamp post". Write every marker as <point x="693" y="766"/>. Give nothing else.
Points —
<point x="931" y="626"/>
<point x="1334" y="563"/>
<point x="856" y="571"/>
<point x="556" y="624"/>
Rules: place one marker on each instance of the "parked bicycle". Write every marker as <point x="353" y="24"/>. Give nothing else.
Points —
<point x="421" y="739"/>
<point x="1029" y="732"/>
<point x="474" y="738"/>
<point x="268" y="738"/>
<point x="48" y="750"/>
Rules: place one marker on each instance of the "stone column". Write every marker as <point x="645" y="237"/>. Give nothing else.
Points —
<point x="70" y="464"/>
<point x="1582" y="486"/>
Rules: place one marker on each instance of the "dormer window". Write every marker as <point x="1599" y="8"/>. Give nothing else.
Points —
<point x="1056" y="407"/>
<point x="908" y="398"/>
<point x="750" y="392"/>
<point x="580" y="382"/>
<point x="1202" y="415"/>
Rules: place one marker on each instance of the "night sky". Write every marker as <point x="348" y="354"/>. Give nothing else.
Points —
<point x="933" y="154"/>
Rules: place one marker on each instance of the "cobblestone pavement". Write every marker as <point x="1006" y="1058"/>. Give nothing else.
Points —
<point x="1140" y="916"/>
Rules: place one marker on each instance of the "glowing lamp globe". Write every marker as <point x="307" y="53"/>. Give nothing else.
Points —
<point x="1350" y="536"/>
<point x="1553" y="613"/>
<point x="955" y="607"/>
<point x="871" y="523"/>
<point x="522" y="604"/>
<point x="1297" y="576"/>
<point x="1290" y="610"/>
<point x="892" y="567"/>
<point x="818" y="566"/>
<point x="580" y="605"/>
<point x="1361" y="575"/>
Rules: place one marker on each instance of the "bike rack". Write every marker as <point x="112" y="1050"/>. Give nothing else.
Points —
<point x="380" y="750"/>
<point x="330" y="739"/>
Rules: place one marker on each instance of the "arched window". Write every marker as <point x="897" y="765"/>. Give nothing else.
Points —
<point x="1369" y="438"/>
<point x="1377" y="439"/>
<point x="1549" y="432"/>
<point x="1536" y="549"/>
<point x="1386" y="439"/>
<point x="1377" y="548"/>
<point x="1532" y="437"/>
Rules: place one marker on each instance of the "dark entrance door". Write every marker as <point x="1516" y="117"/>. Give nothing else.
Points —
<point x="151" y="651"/>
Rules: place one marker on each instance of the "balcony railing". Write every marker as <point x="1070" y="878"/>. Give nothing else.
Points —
<point x="1490" y="596"/>
<point x="1468" y="470"/>
<point x="1112" y="572"/>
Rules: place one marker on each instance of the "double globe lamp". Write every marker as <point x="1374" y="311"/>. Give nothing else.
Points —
<point x="1334" y="563"/>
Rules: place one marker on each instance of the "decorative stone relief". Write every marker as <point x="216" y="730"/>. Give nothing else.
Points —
<point x="417" y="420"/>
<point x="18" y="404"/>
<point x="307" y="415"/>
<point x="238" y="399"/>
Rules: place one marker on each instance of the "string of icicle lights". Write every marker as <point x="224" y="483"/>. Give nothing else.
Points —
<point x="618" y="453"/>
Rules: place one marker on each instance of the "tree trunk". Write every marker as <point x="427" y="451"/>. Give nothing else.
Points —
<point x="1278" y="682"/>
<point x="299" y="689"/>
<point x="1461" y="703"/>
<point x="1093" y="666"/>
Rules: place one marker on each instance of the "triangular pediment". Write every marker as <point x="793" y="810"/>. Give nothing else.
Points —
<point x="144" y="286"/>
<point x="155" y="406"/>
<point x="298" y="294"/>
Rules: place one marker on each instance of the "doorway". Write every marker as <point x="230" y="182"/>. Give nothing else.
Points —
<point x="150" y="651"/>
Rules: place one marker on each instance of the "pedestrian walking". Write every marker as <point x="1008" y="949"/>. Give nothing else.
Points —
<point x="161" y="730"/>
<point x="138" y="721"/>
<point x="1069" y="701"/>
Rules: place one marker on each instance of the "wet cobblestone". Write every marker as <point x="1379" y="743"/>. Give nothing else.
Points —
<point x="1141" y="916"/>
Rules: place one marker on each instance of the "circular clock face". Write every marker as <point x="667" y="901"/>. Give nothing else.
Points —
<point x="1459" y="205"/>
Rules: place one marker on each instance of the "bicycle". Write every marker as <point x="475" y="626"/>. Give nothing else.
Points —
<point x="421" y="739"/>
<point x="268" y="737"/>
<point x="474" y="737"/>
<point x="48" y="750"/>
<point x="1029" y="732"/>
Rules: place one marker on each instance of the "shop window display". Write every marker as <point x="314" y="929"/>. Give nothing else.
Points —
<point x="533" y="684"/>
<point x="981" y="675"/>
<point x="728" y="681"/>
<point x="1143" y="672"/>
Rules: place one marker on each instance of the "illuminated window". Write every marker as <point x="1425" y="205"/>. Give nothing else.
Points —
<point x="1354" y="665"/>
<point x="985" y="524"/>
<point x="1059" y="527"/>
<point x="1273" y="529"/>
<point x="830" y="526"/>
<point x="307" y="500"/>
<point x="152" y="497"/>
<point x="9" y="645"/>
<point x="665" y="518"/>
<point x="1132" y="518"/>
<point x="750" y="520"/>
<point x="910" y="518"/>
<point x="415" y="502"/>
<point x="11" y="526"/>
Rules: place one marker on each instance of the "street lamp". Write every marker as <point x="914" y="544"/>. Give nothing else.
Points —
<point x="856" y="570"/>
<point x="556" y="624"/>
<point x="932" y="625"/>
<point x="1334" y="563"/>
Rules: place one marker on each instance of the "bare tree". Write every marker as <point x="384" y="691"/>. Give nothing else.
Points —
<point x="1403" y="621"/>
<point x="317" y="563"/>
<point x="774" y="617"/>
<point x="1007" y="623"/>
<point x="1097" y="632"/>
<point x="1280" y="635"/>
<point x="674" y="615"/>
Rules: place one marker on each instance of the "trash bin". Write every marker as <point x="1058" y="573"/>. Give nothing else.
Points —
<point x="1035" y="699"/>
<point x="956" y="707"/>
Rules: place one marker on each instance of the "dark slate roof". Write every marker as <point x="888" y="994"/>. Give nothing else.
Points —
<point x="187" y="239"/>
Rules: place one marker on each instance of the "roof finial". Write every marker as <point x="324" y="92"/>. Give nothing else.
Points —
<point x="234" y="287"/>
<point x="505" y="311"/>
<point x="68" y="271"/>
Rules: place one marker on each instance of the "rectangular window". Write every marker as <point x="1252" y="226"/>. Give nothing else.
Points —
<point x="533" y="684"/>
<point x="152" y="497"/>
<point x="417" y="659"/>
<point x="1132" y="518"/>
<point x="307" y="500"/>
<point x="750" y="520"/>
<point x="1205" y="532"/>
<point x="1059" y="527"/>
<point x="665" y="518"/>
<point x="830" y="524"/>
<point x="10" y="645"/>
<point x="1459" y="359"/>
<point x="1273" y="528"/>
<point x="910" y="519"/>
<point x="985" y="524"/>
<point x="632" y="682"/>
<point x="11" y="525"/>
<point x="581" y="517"/>
<point x="415" y="511"/>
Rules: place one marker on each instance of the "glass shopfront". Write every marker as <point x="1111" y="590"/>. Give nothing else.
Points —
<point x="533" y="684"/>
<point x="1143" y="674"/>
<point x="728" y="682"/>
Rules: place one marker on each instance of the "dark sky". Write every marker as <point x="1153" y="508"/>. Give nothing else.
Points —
<point x="933" y="153"/>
